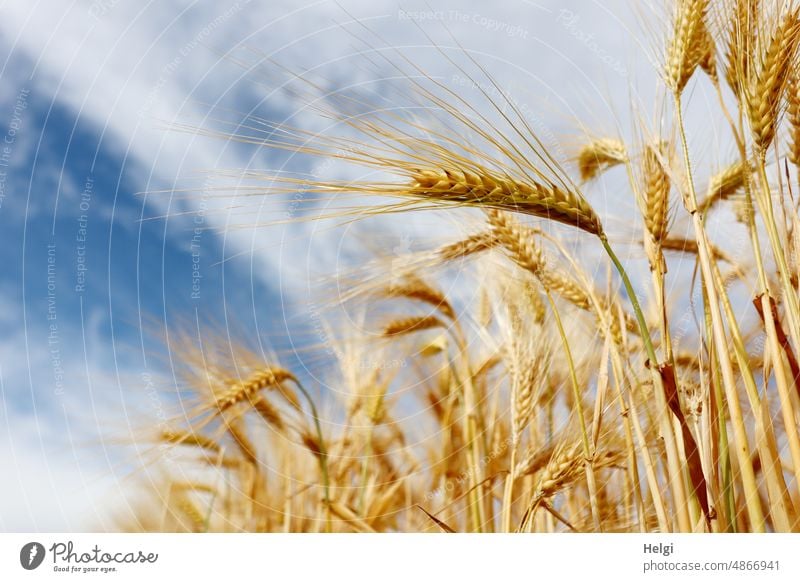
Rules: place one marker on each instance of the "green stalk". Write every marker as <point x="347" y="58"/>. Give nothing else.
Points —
<point x="576" y="395"/>
<point x="637" y="309"/>
<point x="676" y="476"/>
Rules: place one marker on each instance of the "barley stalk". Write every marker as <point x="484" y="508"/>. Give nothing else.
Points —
<point x="712" y="425"/>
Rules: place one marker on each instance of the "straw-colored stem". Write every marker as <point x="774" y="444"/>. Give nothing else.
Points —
<point x="754" y="509"/>
<point x="764" y="201"/>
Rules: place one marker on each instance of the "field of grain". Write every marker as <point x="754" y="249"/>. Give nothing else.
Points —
<point x="562" y="395"/>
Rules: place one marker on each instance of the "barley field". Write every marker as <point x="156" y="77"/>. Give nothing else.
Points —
<point x="555" y="367"/>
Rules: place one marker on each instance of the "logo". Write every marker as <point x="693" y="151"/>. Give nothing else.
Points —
<point x="31" y="555"/>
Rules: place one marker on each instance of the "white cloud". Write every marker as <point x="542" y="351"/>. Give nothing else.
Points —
<point x="61" y="443"/>
<point x="124" y="65"/>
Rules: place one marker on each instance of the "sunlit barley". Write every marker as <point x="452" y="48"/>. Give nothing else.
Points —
<point x="560" y="399"/>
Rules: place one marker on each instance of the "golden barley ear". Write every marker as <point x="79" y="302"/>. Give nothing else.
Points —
<point x="526" y="362"/>
<point x="769" y="76"/>
<point x="538" y="307"/>
<point x="189" y="438"/>
<point x="741" y="40"/>
<point x="562" y="470"/>
<point x="656" y="191"/>
<point x="517" y="239"/>
<point x="415" y="288"/>
<point x="472" y="245"/>
<point x="689" y="245"/>
<point x="599" y="155"/>
<point x="725" y="184"/>
<point x="407" y="325"/>
<point x="493" y="190"/>
<point x="566" y="288"/>
<point x="240" y="391"/>
<point x="708" y="59"/>
<point x="689" y="43"/>
<point x="793" y="114"/>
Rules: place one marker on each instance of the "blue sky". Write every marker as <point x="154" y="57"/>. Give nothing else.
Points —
<point x="98" y="252"/>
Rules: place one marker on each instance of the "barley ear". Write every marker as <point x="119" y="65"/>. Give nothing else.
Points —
<point x="599" y="155"/>
<point x="688" y="44"/>
<point x="793" y="115"/>
<point x="766" y="86"/>
<point x="480" y="187"/>
<point x="656" y="192"/>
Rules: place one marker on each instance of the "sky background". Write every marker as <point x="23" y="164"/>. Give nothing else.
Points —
<point x="98" y="246"/>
